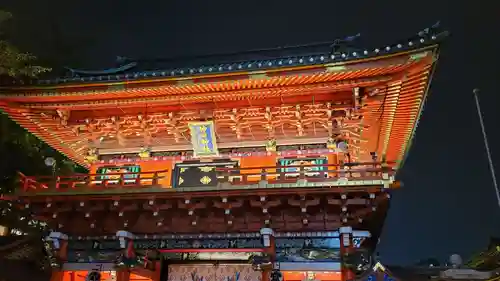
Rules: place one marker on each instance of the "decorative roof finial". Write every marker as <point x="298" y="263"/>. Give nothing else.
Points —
<point x="352" y="38"/>
<point x="345" y="44"/>
<point x="120" y="59"/>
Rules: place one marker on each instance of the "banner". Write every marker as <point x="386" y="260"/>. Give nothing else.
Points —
<point x="203" y="139"/>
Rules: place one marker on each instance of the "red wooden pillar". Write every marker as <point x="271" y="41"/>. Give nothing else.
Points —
<point x="123" y="275"/>
<point x="266" y="275"/>
<point x="60" y="249"/>
<point x="157" y="272"/>
<point x="127" y="245"/>
<point x="346" y="247"/>
<point x="57" y="275"/>
<point x="267" y="236"/>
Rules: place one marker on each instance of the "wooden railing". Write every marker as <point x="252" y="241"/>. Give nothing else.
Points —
<point x="311" y="173"/>
<point x="326" y="173"/>
<point x="83" y="182"/>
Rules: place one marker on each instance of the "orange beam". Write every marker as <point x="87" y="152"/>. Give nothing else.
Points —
<point x="192" y="194"/>
<point x="305" y="99"/>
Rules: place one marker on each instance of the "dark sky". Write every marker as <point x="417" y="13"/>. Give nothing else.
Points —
<point x="448" y="203"/>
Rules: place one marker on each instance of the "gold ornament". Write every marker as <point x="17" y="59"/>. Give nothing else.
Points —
<point x="206" y="169"/>
<point x="205" y="180"/>
<point x="271" y="145"/>
<point x="145" y="153"/>
<point x="331" y="143"/>
<point x="92" y="156"/>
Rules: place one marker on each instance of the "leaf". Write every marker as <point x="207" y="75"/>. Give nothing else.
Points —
<point x="13" y="62"/>
<point x="21" y="150"/>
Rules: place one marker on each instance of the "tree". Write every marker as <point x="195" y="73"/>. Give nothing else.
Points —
<point x="20" y="150"/>
<point x="14" y="62"/>
<point x="25" y="153"/>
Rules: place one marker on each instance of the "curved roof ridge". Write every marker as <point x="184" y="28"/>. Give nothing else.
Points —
<point x="326" y="44"/>
<point x="338" y="51"/>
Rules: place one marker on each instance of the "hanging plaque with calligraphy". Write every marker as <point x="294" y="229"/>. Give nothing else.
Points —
<point x="203" y="139"/>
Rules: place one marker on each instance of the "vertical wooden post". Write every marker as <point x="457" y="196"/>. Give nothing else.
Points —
<point x="263" y="174"/>
<point x="302" y="172"/>
<point x="266" y="275"/>
<point x="60" y="250"/>
<point x="267" y="236"/>
<point x="121" y="181"/>
<point x="155" y="179"/>
<point x="58" y="182"/>
<point x="126" y="244"/>
<point x="157" y="271"/>
<point x="346" y="247"/>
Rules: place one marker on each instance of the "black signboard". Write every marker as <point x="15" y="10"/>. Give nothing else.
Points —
<point x="196" y="173"/>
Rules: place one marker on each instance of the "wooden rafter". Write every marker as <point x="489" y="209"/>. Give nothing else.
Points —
<point x="282" y="105"/>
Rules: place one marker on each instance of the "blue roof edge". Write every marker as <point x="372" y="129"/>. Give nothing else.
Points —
<point x="338" y="54"/>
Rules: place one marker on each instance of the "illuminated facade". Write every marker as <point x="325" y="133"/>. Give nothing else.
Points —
<point x="249" y="166"/>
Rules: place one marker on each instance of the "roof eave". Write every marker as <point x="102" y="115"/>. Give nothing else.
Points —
<point x="229" y="75"/>
<point x="420" y="111"/>
<point x="346" y="55"/>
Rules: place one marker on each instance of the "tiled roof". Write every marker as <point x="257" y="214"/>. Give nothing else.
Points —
<point x="298" y="56"/>
<point x="399" y="75"/>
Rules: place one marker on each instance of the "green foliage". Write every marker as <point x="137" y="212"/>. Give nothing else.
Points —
<point x="14" y="62"/>
<point x="27" y="154"/>
<point x="20" y="150"/>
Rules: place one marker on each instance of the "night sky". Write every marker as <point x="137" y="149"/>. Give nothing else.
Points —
<point x="447" y="205"/>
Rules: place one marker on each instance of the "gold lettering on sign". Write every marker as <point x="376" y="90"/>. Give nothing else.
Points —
<point x="205" y="180"/>
<point x="203" y="138"/>
<point x="206" y="169"/>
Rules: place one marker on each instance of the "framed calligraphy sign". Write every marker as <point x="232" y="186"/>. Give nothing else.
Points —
<point x="203" y="139"/>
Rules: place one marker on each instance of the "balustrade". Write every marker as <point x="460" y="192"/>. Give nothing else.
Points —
<point x="311" y="173"/>
<point x="233" y="176"/>
<point x="82" y="182"/>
